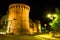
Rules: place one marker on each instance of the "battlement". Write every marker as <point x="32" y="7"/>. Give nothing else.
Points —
<point x="17" y="5"/>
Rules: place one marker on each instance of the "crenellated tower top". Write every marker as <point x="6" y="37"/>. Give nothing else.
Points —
<point x="17" y="5"/>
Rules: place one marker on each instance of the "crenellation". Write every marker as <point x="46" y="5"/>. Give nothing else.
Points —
<point x="19" y="15"/>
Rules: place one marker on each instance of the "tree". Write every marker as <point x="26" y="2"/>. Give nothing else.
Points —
<point x="55" y="25"/>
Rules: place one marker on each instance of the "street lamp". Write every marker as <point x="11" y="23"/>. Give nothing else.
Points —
<point x="45" y="25"/>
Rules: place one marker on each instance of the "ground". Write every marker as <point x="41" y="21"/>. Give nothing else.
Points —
<point x="28" y="37"/>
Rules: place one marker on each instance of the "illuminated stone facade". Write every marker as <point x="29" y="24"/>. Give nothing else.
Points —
<point x="18" y="19"/>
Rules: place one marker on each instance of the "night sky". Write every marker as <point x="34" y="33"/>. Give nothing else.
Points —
<point x="38" y="7"/>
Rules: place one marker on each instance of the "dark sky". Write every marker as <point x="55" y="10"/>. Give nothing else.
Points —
<point x="38" y="7"/>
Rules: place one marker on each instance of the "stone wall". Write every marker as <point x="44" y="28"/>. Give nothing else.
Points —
<point x="18" y="19"/>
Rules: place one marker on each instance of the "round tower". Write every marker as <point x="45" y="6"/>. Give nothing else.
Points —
<point x="18" y="19"/>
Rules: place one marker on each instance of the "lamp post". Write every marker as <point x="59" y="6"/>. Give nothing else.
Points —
<point x="45" y="25"/>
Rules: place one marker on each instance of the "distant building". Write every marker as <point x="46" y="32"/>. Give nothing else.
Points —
<point x="38" y="26"/>
<point x="4" y="21"/>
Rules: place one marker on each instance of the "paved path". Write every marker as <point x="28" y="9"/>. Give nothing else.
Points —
<point x="27" y="37"/>
<point x="47" y="36"/>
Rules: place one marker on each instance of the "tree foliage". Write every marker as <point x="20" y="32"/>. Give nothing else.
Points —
<point x="55" y="25"/>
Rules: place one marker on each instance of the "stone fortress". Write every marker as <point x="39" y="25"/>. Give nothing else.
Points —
<point x="18" y="18"/>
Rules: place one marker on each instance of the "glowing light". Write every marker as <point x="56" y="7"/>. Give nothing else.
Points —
<point x="51" y="18"/>
<point x="49" y="15"/>
<point x="54" y="15"/>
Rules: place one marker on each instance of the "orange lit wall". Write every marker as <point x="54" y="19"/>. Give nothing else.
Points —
<point x="18" y="19"/>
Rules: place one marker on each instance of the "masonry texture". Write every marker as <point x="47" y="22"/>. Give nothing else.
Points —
<point x="18" y="19"/>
